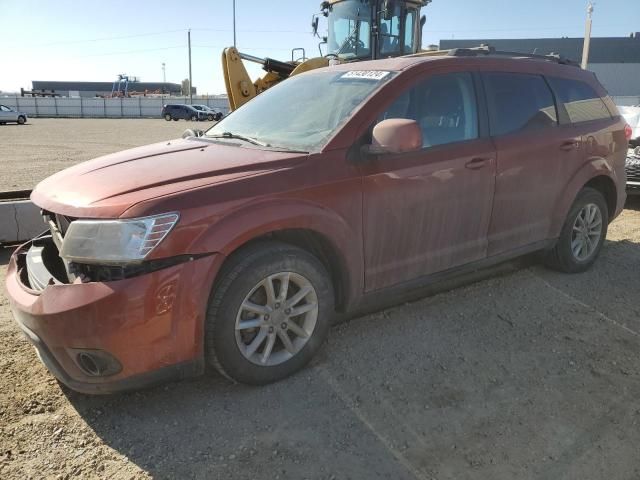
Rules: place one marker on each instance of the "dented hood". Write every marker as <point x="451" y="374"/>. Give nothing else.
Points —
<point x="107" y="186"/>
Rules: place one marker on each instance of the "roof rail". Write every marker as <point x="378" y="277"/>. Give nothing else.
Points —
<point x="489" y="50"/>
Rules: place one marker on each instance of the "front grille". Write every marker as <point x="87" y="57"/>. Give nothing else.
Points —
<point x="632" y="167"/>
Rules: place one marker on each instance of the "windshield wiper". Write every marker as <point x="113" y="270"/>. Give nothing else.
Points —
<point x="235" y="136"/>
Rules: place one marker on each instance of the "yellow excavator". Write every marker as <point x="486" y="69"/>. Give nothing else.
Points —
<point x="357" y="30"/>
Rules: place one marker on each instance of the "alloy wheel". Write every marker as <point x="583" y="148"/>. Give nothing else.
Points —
<point x="587" y="230"/>
<point x="276" y="319"/>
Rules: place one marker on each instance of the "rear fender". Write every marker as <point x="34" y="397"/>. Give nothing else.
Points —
<point x="594" y="168"/>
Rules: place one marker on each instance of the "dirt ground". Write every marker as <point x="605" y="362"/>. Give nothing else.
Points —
<point x="524" y="374"/>
<point x="43" y="146"/>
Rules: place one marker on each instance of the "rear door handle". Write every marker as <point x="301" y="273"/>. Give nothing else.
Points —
<point x="476" y="163"/>
<point x="568" y="145"/>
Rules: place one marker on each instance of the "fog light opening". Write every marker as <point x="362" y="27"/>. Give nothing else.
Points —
<point x="90" y="364"/>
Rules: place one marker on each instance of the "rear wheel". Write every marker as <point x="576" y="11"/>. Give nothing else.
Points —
<point x="21" y="120"/>
<point x="167" y="117"/>
<point x="582" y="235"/>
<point x="269" y="315"/>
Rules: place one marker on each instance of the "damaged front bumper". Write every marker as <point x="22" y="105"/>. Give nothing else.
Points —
<point x="107" y="336"/>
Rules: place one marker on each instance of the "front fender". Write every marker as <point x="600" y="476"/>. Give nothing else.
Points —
<point x="258" y="218"/>
<point x="596" y="167"/>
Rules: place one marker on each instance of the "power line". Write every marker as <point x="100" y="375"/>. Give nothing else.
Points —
<point x="243" y="47"/>
<point x="103" y="39"/>
<point x="126" y="52"/>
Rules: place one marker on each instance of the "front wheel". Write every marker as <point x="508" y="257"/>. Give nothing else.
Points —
<point x="21" y="120"/>
<point x="582" y="235"/>
<point x="269" y="314"/>
<point x="167" y="117"/>
<point x="210" y="117"/>
<point x="194" y="118"/>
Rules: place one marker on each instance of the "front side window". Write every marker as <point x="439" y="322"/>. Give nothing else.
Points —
<point x="350" y="29"/>
<point x="4" y="109"/>
<point x="580" y="100"/>
<point x="303" y="112"/>
<point x="444" y="106"/>
<point x="519" y="102"/>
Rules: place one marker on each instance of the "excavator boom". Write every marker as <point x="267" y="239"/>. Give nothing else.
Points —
<point x="358" y="30"/>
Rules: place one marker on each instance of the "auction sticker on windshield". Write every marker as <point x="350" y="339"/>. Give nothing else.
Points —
<point x="366" y="74"/>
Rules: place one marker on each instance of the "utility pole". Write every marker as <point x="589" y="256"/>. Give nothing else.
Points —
<point x="587" y="37"/>
<point x="234" y="23"/>
<point x="190" y="81"/>
<point x="164" y="79"/>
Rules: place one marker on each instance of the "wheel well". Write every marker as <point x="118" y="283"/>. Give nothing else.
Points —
<point x="320" y="247"/>
<point x="605" y="186"/>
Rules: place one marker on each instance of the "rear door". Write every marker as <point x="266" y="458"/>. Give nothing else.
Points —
<point x="535" y="155"/>
<point x="428" y="211"/>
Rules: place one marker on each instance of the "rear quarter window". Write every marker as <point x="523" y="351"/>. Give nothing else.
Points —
<point x="580" y="100"/>
<point x="518" y="102"/>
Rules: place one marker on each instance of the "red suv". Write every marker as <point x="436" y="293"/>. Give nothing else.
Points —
<point x="337" y="188"/>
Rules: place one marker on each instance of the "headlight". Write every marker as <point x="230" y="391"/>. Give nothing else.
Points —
<point x="115" y="242"/>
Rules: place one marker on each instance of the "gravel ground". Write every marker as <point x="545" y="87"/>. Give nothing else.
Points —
<point x="34" y="151"/>
<point x="524" y="374"/>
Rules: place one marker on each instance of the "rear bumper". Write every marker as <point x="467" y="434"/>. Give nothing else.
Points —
<point x="152" y="325"/>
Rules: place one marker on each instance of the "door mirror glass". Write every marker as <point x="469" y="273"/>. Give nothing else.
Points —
<point x="396" y="135"/>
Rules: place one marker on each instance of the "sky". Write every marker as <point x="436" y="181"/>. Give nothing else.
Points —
<point x="95" y="41"/>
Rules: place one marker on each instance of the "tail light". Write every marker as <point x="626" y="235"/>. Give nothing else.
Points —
<point x="628" y="131"/>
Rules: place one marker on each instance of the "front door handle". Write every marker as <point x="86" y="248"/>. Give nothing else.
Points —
<point x="476" y="163"/>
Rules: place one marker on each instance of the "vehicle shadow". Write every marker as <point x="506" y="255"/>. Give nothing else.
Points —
<point x="5" y="255"/>
<point x="391" y="392"/>
<point x="210" y="428"/>
<point x="633" y="203"/>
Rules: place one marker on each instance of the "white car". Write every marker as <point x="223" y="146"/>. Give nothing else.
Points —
<point x="8" y="114"/>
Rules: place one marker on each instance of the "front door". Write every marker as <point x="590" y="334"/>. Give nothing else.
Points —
<point x="429" y="211"/>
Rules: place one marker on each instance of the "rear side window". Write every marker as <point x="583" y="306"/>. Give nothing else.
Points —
<point x="580" y="100"/>
<point x="518" y="102"/>
<point x="443" y="105"/>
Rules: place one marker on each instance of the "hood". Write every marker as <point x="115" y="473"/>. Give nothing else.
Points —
<point x="107" y="186"/>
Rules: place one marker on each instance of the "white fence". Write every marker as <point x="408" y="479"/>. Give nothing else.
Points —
<point x="135" y="107"/>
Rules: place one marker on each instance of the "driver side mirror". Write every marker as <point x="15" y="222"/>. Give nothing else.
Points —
<point x="395" y="135"/>
<point x="314" y="25"/>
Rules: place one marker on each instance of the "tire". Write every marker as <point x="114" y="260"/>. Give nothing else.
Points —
<point x="21" y="120"/>
<point x="243" y="279"/>
<point x="193" y="118"/>
<point x="210" y="117"/>
<point x="563" y="257"/>
<point x="167" y="117"/>
<point x="175" y="119"/>
<point x="218" y="117"/>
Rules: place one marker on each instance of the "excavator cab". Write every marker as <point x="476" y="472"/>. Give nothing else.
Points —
<point x="357" y="30"/>
<point x="371" y="29"/>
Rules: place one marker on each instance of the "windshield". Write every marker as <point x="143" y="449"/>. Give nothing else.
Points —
<point x="302" y="112"/>
<point x="350" y="29"/>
